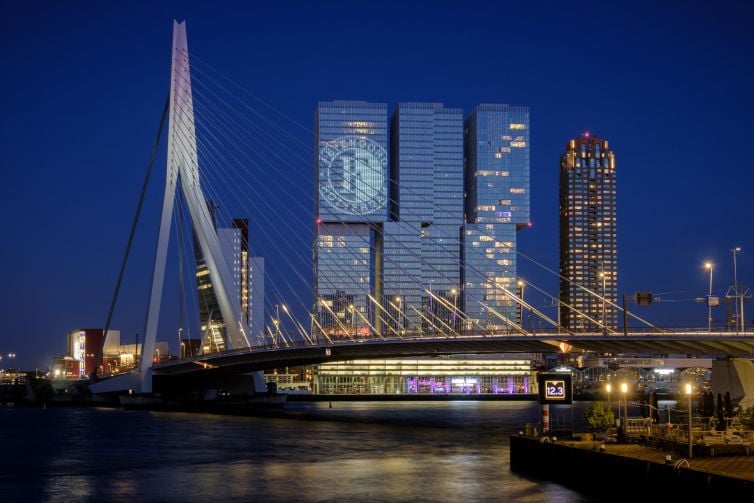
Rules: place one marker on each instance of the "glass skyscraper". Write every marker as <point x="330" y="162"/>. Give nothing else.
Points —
<point x="351" y="179"/>
<point x="234" y="244"/>
<point x="497" y="205"/>
<point x="588" y="243"/>
<point x="422" y="241"/>
<point x="392" y="236"/>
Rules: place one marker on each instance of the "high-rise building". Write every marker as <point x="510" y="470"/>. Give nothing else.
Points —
<point x="351" y="206"/>
<point x="497" y="205"/>
<point x="248" y="283"/>
<point x="256" y="298"/>
<point x="421" y="254"/>
<point x="588" y="244"/>
<point x="390" y="242"/>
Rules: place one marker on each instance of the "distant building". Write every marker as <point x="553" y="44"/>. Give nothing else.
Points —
<point x="394" y="252"/>
<point x="78" y="363"/>
<point x="256" y="298"/>
<point x="351" y="206"/>
<point x="588" y="242"/>
<point x="497" y="206"/>
<point x="422" y="242"/>
<point x="248" y="283"/>
<point x="83" y="344"/>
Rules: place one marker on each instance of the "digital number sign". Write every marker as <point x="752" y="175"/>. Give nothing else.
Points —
<point x="554" y="388"/>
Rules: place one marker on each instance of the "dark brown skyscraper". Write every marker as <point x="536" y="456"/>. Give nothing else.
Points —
<point x="588" y="239"/>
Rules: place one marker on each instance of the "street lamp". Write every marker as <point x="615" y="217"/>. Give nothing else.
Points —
<point x="609" y="389"/>
<point x="353" y="319"/>
<point x="521" y="286"/>
<point x="691" y="445"/>
<point x="276" y="321"/>
<point x="454" y="293"/>
<point x="739" y="314"/>
<point x="604" y="318"/>
<point x="624" y="390"/>
<point x="710" y="266"/>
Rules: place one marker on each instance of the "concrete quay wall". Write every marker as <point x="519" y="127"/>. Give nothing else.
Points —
<point x="611" y="477"/>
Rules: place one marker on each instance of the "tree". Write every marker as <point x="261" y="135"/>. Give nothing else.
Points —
<point x="599" y="417"/>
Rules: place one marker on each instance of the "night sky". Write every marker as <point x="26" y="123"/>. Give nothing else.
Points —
<point x="669" y="84"/>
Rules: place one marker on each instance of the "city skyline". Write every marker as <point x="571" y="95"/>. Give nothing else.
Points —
<point x="78" y="130"/>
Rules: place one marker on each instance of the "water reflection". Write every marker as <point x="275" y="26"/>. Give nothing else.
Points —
<point x="439" y="451"/>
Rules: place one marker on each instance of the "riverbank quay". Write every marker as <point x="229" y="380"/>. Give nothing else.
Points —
<point x="629" y="471"/>
<point x="435" y="397"/>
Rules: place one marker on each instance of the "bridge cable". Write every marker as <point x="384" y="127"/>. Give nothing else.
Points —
<point x="513" y="296"/>
<point x="209" y="68"/>
<point x="100" y="347"/>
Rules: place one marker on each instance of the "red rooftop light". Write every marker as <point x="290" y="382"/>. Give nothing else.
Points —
<point x="586" y="134"/>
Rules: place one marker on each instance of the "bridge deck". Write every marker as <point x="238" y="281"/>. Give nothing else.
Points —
<point x="252" y="359"/>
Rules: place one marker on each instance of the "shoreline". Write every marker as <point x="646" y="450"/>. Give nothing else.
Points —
<point x="630" y="471"/>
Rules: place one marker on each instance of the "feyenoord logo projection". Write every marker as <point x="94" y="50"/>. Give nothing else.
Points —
<point x="352" y="175"/>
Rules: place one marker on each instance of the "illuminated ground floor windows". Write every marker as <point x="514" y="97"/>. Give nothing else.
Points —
<point x="426" y="376"/>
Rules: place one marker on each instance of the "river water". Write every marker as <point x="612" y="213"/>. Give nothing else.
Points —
<point x="357" y="451"/>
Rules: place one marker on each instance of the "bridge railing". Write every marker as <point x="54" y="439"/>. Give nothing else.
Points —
<point x="323" y="342"/>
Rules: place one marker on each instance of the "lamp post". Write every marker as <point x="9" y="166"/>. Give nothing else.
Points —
<point x="454" y="293"/>
<point x="710" y="266"/>
<point x="399" y="311"/>
<point x="739" y="314"/>
<point x="604" y="306"/>
<point x="691" y="445"/>
<point x="520" y="283"/>
<point x="609" y="388"/>
<point x="277" y="324"/>
<point x="624" y="390"/>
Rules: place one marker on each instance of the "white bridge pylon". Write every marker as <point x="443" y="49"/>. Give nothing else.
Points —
<point x="182" y="162"/>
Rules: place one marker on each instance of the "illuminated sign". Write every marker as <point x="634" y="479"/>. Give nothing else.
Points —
<point x="555" y="387"/>
<point x="353" y="175"/>
<point x="468" y="381"/>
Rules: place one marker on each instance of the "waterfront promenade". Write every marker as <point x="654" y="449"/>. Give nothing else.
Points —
<point x="630" y="471"/>
<point x="741" y="467"/>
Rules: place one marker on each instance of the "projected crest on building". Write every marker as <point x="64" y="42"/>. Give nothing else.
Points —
<point x="353" y="175"/>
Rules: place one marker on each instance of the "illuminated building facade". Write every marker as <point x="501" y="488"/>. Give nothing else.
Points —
<point x="459" y="374"/>
<point x="497" y="206"/>
<point x="391" y="240"/>
<point x="422" y="282"/>
<point x="83" y="344"/>
<point x="351" y="206"/>
<point x="248" y="283"/>
<point x="588" y="244"/>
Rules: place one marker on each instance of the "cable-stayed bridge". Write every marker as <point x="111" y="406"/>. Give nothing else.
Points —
<point x="213" y="138"/>
<point x="254" y="359"/>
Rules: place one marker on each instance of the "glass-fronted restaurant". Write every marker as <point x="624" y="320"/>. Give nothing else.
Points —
<point x="467" y="374"/>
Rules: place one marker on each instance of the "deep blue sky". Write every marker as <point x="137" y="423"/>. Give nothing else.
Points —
<point x="670" y="84"/>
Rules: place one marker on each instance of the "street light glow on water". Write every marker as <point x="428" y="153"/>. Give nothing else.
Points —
<point x="360" y="451"/>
